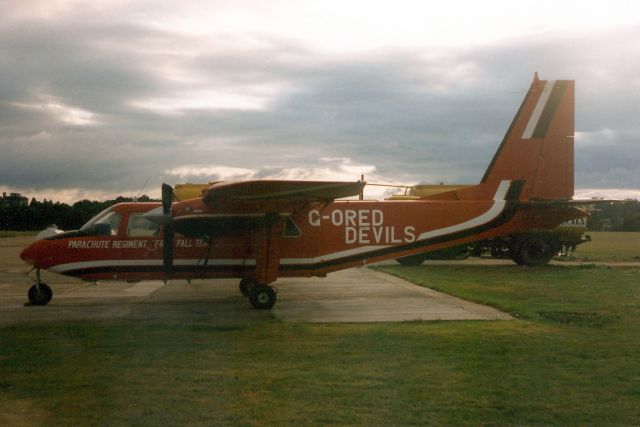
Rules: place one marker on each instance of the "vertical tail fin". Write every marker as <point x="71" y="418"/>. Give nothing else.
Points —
<point x="538" y="146"/>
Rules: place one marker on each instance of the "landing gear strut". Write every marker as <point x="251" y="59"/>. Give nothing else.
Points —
<point x="40" y="293"/>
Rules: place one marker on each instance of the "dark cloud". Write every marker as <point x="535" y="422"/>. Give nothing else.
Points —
<point x="108" y="106"/>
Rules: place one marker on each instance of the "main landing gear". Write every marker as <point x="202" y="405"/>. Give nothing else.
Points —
<point x="261" y="296"/>
<point x="40" y="293"/>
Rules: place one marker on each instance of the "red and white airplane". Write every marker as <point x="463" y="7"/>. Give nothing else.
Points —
<point x="261" y="230"/>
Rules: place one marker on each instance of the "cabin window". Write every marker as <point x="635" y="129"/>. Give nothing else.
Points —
<point x="291" y="229"/>
<point x="139" y="226"/>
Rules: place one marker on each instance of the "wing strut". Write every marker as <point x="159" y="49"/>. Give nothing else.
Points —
<point x="268" y="250"/>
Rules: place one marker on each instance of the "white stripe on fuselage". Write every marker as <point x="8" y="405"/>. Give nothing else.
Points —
<point x="494" y="211"/>
<point x="537" y="111"/>
<point x="62" y="268"/>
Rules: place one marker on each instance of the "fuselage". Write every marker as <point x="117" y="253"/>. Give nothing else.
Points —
<point x="121" y="244"/>
<point x="260" y="230"/>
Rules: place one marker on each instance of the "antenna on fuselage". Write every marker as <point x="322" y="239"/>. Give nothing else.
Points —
<point x="141" y="192"/>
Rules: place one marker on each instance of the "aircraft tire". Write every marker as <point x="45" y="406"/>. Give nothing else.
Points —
<point x="263" y="298"/>
<point x="535" y="251"/>
<point x="514" y="251"/>
<point x="247" y="286"/>
<point x="41" y="297"/>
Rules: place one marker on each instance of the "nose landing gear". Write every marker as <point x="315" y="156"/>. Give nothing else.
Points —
<point x="40" y="293"/>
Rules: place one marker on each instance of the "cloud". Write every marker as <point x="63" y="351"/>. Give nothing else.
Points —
<point x="327" y="169"/>
<point x="102" y="105"/>
<point x="608" y="194"/>
<point x="59" y="111"/>
<point x="211" y="173"/>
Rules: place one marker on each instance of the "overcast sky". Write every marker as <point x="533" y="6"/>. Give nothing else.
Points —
<point x="109" y="97"/>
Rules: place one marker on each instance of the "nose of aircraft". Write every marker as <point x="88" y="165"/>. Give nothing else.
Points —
<point x="31" y="253"/>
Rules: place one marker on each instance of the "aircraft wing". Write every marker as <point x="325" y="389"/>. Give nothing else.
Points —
<point x="232" y="207"/>
<point x="577" y="202"/>
<point x="290" y="192"/>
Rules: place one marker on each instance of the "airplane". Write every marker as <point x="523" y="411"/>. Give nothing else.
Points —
<point x="260" y="230"/>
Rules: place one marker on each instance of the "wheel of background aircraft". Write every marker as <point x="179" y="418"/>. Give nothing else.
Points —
<point x="535" y="251"/>
<point x="412" y="260"/>
<point x="247" y="286"/>
<point x="40" y="296"/>
<point x="514" y="253"/>
<point x="263" y="297"/>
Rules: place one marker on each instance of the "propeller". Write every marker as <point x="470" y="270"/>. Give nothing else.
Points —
<point x="167" y="253"/>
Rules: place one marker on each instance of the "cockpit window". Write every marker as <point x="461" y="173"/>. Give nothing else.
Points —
<point x="106" y="223"/>
<point x="139" y="226"/>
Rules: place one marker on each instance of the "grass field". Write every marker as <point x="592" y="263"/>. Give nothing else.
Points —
<point x="609" y="246"/>
<point x="571" y="358"/>
<point x="9" y="233"/>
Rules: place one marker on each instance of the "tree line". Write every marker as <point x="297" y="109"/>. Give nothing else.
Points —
<point x="615" y="217"/>
<point x="39" y="215"/>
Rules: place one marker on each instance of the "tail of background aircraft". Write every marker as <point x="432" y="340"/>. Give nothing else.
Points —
<point x="538" y="146"/>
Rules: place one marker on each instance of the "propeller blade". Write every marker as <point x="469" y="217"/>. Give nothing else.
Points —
<point x="167" y="253"/>
<point x="167" y="198"/>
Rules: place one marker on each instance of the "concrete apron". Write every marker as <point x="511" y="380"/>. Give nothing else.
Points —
<point x="354" y="295"/>
<point x="365" y="295"/>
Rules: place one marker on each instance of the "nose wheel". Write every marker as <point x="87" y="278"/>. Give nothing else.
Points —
<point x="40" y="293"/>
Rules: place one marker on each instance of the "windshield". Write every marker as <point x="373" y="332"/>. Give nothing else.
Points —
<point x="105" y="223"/>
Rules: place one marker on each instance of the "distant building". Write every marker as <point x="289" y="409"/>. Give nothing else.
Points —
<point x="13" y="200"/>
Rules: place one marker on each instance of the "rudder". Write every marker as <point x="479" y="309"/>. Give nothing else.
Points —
<point x="538" y="146"/>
